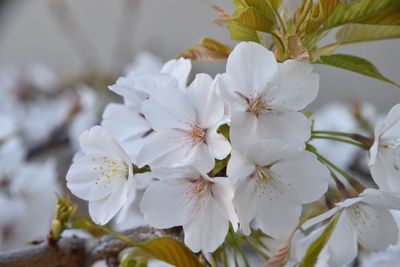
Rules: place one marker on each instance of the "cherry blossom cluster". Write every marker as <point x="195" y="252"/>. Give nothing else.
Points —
<point x="229" y="151"/>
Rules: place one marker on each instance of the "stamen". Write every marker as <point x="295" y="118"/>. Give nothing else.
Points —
<point x="108" y="169"/>
<point x="200" y="192"/>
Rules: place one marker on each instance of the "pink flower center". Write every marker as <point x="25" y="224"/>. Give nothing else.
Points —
<point x="197" y="134"/>
<point x="200" y="192"/>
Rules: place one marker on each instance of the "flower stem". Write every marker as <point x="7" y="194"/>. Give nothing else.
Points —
<point x="225" y="256"/>
<point x="340" y="140"/>
<point x="246" y="261"/>
<point x="333" y="133"/>
<point x="212" y="261"/>
<point x="356" y="137"/>
<point x="254" y="245"/>
<point x="235" y="259"/>
<point x="356" y="185"/>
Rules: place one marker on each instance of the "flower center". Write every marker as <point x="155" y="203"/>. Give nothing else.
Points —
<point x="269" y="184"/>
<point x="108" y="169"/>
<point x="199" y="191"/>
<point x="360" y="215"/>
<point x="197" y="134"/>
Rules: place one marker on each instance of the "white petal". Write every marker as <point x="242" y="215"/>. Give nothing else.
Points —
<point x="266" y="152"/>
<point x="239" y="167"/>
<point x="383" y="199"/>
<point x="308" y="176"/>
<point x="252" y="65"/>
<point x="166" y="149"/>
<point x="278" y="208"/>
<point x="342" y="246"/>
<point x="228" y="87"/>
<point x="391" y="125"/>
<point x="166" y="204"/>
<point x="320" y="218"/>
<point x="297" y="85"/>
<point x="223" y="195"/>
<point x="84" y="179"/>
<point x="385" y="171"/>
<point x="125" y="88"/>
<point x="218" y="146"/>
<point x="102" y="211"/>
<point x="127" y="126"/>
<point x="169" y="108"/>
<point x="202" y="159"/>
<point x="179" y="68"/>
<point x="289" y="126"/>
<point x="377" y="229"/>
<point x="124" y="122"/>
<point x="209" y="106"/>
<point x="243" y="130"/>
<point x="245" y="203"/>
<point x="207" y="231"/>
<point x="183" y="172"/>
<point x="98" y="141"/>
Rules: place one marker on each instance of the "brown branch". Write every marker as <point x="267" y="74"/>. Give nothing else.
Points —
<point x="75" y="251"/>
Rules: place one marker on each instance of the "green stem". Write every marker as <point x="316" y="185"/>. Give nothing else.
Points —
<point x="254" y="245"/>
<point x="278" y="15"/>
<point x="212" y="261"/>
<point x="235" y="259"/>
<point x="333" y="133"/>
<point x="340" y="140"/>
<point x="120" y="236"/>
<point x="336" y="168"/>
<point x="225" y="256"/>
<point x="246" y="261"/>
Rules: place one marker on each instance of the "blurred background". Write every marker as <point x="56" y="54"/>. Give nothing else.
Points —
<point x="115" y="30"/>
<point x="57" y="58"/>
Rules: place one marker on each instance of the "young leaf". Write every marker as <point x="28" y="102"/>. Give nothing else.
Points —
<point x="207" y="50"/>
<point x="263" y="7"/>
<point x="389" y="17"/>
<point x="171" y="251"/>
<point x="275" y="3"/>
<point x="253" y="19"/>
<point x="313" y="251"/>
<point x="242" y="33"/>
<point x="354" y="33"/>
<point x="355" y="64"/>
<point x="358" y="11"/>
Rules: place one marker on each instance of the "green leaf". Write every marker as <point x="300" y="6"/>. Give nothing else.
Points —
<point x="263" y="7"/>
<point x="171" y="251"/>
<point x="207" y="50"/>
<point x="353" y="63"/>
<point x="242" y="33"/>
<point x="389" y="17"/>
<point x="253" y="19"/>
<point x="358" y="11"/>
<point x="354" y="33"/>
<point x="275" y="3"/>
<point x="311" y="257"/>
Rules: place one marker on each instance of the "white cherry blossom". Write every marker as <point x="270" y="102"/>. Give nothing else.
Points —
<point x="266" y="96"/>
<point x="126" y="123"/>
<point x="274" y="179"/>
<point x="137" y="87"/>
<point x="185" y="125"/>
<point x="364" y="220"/>
<point x="102" y="173"/>
<point x="184" y="196"/>
<point x="385" y="152"/>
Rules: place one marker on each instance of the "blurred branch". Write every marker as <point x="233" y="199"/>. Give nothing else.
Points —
<point x="123" y="38"/>
<point x="75" y="251"/>
<point x="76" y="37"/>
